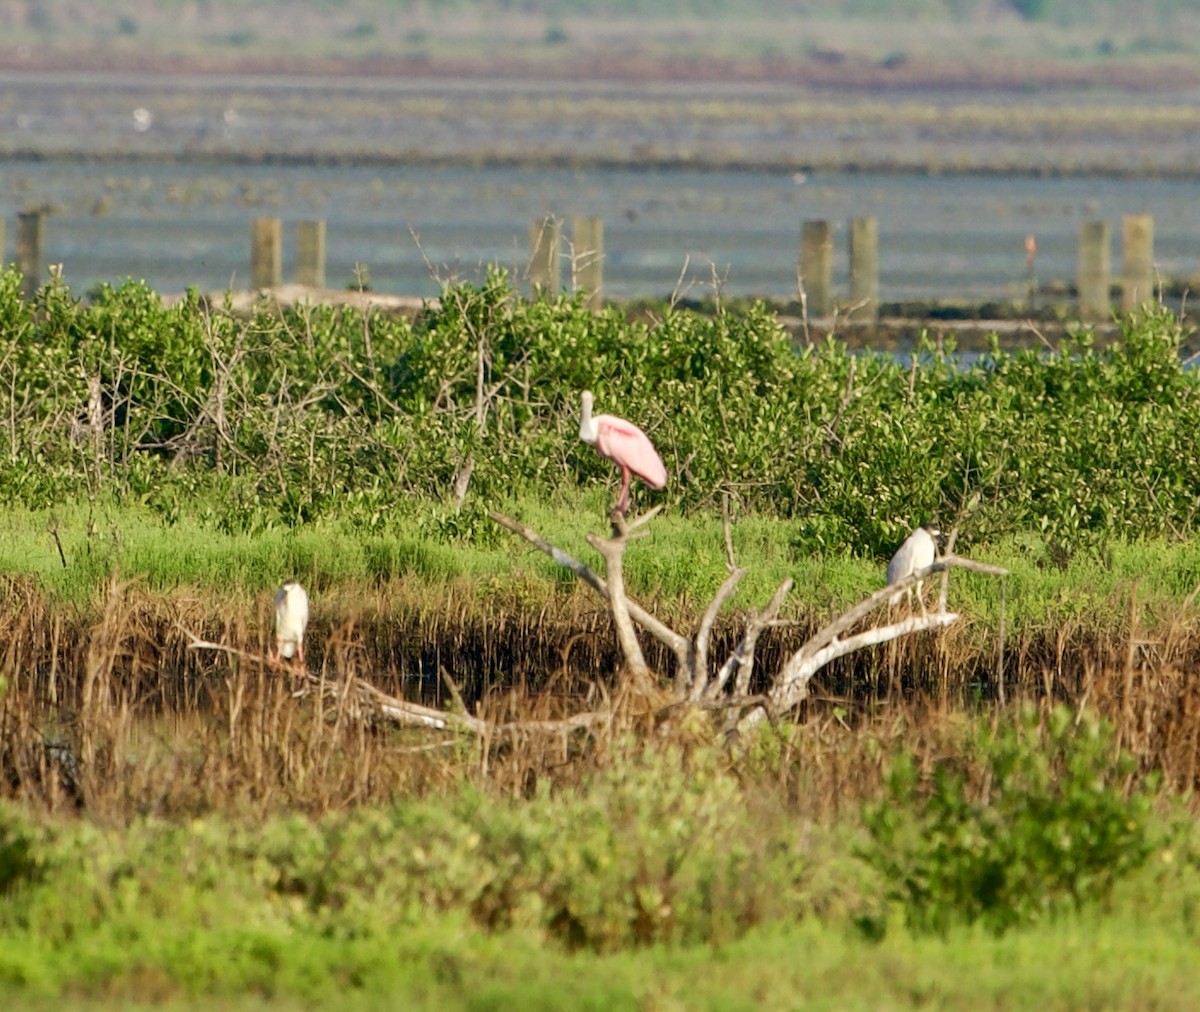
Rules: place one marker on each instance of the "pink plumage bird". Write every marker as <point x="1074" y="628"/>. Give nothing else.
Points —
<point x="625" y="445"/>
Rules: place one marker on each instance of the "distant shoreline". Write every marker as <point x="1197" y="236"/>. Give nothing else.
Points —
<point x="84" y="116"/>
<point x="373" y="159"/>
<point x="848" y="74"/>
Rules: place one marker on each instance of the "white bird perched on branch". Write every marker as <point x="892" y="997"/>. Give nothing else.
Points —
<point x="918" y="552"/>
<point x="291" y="619"/>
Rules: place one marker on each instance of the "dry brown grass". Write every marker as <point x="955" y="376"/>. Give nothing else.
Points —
<point x="112" y="714"/>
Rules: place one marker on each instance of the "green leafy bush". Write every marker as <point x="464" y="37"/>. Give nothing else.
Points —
<point x="18" y="852"/>
<point x="1043" y="823"/>
<point x="287" y="417"/>
<point x="662" y="847"/>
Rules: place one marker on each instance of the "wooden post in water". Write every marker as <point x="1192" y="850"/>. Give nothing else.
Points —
<point x="31" y="226"/>
<point x="864" y="269"/>
<point x="545" y="236"/>
<point x="266" y="253"/>
<point x="310" y="253"/>
<point x="587" y="259"/>
<point x="816" y="267"/>
<point x="1137" y="241"/>
<point x="1095" y="270"/>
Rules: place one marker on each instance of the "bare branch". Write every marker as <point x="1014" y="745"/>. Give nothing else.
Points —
<point x="742" y="658"/>
<point x="402" y="711"/>
<point x="200" y="644"/>
<point x="693" y="686"/>
<point x="791" y="688"/>
<point x="613" y="551"/>
<point x="699" y="677"/>
<point x="730" y="703"/>
<point x="557" y="554"/>
<point x="667" y="636"/>
<point x="399" y="710"/>
<point x="850" y="618"/>
<point x="727" y="533"/>
<point x="362" y="699"/>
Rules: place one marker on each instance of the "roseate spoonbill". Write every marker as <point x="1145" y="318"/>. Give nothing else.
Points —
<point x="917" y="552"/>
<point x="291" y="619"/>
<point x="625" y="445"/>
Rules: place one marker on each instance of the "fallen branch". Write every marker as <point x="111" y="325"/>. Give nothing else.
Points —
<point x="365" y="701"/>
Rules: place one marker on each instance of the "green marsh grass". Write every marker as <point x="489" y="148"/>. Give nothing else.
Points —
<point x="678" y="565"/>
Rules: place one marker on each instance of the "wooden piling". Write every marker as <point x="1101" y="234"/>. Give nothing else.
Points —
<point x="310" y="253"/>
<point x="545" y="238"/>
<point x="816" y="267"/>
<point x="864" y="269"/>
<point x="1137" y="243"/>
<point x="587" y="259"/>
<point x="1095" y="271"/>
<point x="31" y="227"/>
<point x="266" y="253"/>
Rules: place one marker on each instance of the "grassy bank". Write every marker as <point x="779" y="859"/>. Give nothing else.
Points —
<point x="499" y="613"/>
<point x="99" y="662"/>
<point x="74" y="551"/>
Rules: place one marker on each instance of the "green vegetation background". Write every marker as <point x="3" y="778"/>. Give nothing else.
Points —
<point x="964" y="859"/>
<point x="282" y="419"/>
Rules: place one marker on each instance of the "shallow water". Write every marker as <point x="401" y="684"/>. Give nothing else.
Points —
<point x="665" y="231"/>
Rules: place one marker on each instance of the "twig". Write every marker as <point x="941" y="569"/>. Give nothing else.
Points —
<point x="62" y="556"/>
<point x="201" y="644"/>
<point x="742" y="658"/>
<point x="699" y="677"/>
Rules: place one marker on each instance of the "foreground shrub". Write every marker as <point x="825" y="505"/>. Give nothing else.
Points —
<point x="660" y="848"/>
<point x="663" y="847"/>
<point x="1035" y="819"/>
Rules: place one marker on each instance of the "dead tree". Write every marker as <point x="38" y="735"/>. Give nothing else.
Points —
<point x="699" y="683"/>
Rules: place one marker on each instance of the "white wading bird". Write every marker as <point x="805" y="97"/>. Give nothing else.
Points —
<point x="291" y="619"/>
<point x="918" y="552"/>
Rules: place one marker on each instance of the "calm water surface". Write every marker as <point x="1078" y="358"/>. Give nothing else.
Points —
<point x="666" y="231"/>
